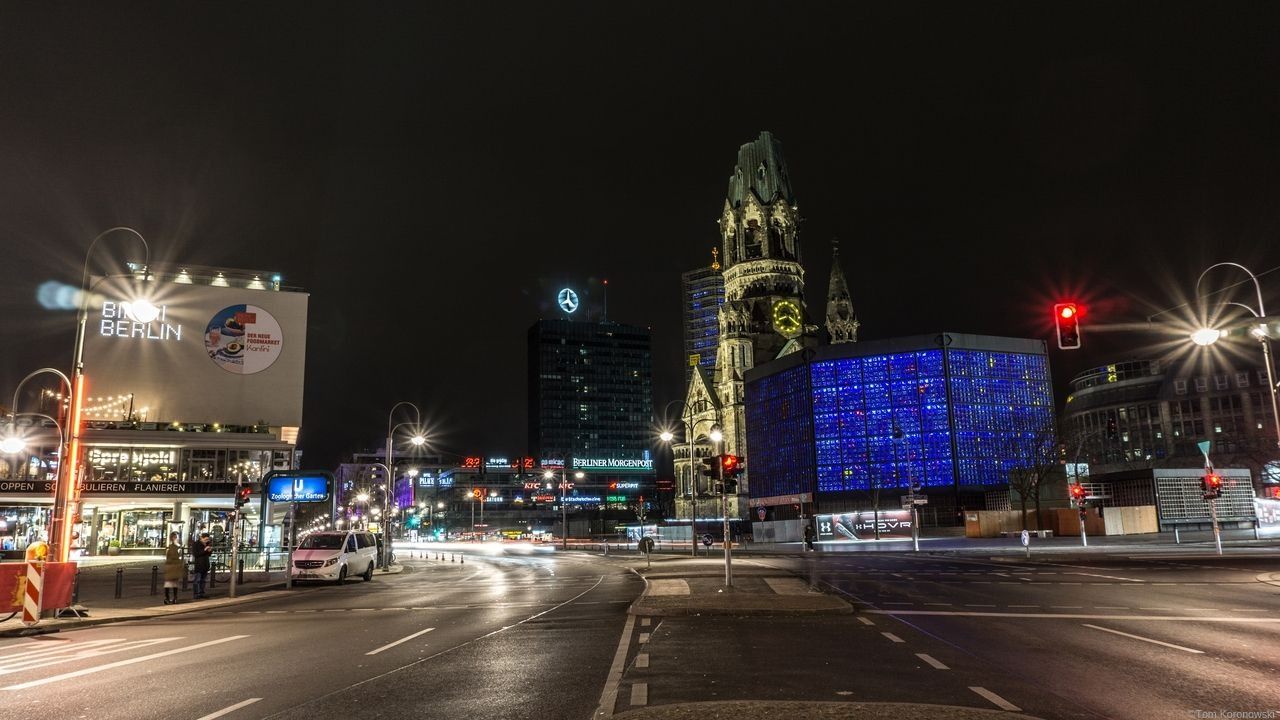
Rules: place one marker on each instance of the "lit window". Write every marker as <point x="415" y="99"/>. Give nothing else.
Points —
<point x="1180" y="387"/>
<point x="1242" y="379"/>
<point x="1202" y="384"/>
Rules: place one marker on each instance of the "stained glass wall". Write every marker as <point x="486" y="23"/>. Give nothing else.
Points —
<point x="1003" y="407"/>
<point x="780" y="424"/>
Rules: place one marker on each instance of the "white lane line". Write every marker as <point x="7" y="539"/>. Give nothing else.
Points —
<point x="1145" y="639"/>
<point x="31" y="660"/>
<point x="1075" y="616"/>
<point x="644" y="622"/>
<point x="1108" y="577"/>
<point x="406" y="638"/>
<point x="932" y="661"/>
<point x="865" y="621"/>
<point x="1110" y="607"/>
<point x="995" y="699"/>
<point x="642" y="660"/>
<point x="230" y="709"/>
<point x="644" y="638"/>
<point x="609" y="696"/>
<point x="639" y="694"/>
<point x="893" y="637"/>
<point x="979" y="605"/>
<point x="121" y="663"/>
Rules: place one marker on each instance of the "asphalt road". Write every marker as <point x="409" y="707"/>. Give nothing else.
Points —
<point x="502" y="637"/>
<point x="1099" y="637"/>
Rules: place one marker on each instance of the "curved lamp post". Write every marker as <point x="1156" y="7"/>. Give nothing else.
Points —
<point x="64" y="488"/>
<point x="1207" y="336"/>
<point x="417" y="439"/>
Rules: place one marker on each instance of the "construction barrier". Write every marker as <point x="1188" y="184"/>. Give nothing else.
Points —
<point x="53" y="592"/>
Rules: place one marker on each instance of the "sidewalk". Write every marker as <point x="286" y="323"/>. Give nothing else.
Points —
<point x="100" y="606"/>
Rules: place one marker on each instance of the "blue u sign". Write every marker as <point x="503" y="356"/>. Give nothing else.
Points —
<point x="298" y="487"/>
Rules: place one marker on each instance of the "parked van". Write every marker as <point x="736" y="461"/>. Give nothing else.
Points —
<point x="335" y="555"/>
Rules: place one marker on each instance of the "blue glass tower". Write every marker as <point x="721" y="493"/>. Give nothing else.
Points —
<point x="703" y="295"/>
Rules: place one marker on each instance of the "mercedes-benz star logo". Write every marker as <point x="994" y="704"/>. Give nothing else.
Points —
<point x="568" y="300"/>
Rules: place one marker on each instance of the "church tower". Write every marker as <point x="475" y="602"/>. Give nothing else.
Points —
<point x="842" y="323"/>
<point x="763" y="315"/>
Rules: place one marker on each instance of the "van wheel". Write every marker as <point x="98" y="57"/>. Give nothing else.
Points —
<point x="342" y="575"/>
<point x="368" y="573"/>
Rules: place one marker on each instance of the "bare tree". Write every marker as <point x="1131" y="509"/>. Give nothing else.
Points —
<point x="1035" y="458"/>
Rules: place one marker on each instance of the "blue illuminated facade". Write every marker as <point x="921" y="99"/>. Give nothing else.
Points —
<point x="703" y="296"/>
<point x="945" y="411"/>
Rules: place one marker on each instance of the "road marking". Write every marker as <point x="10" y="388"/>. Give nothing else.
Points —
<point x="407" y="638"/>
<point x="644" y="622"/>
<point x="1074" y="616"/>
<point x="1024" y="606"/>
<point x="1067" y="607"/>
<point x="1108" y="577"/>
<point x="1110" y="607"/>
<point x="609" y="696"/>
<point x="230" y="709"/>
<point x="644" y="638"/>
<point x="996" y="699"/>
<point x="893" y="637"/>
<point x="930" y="659"/>
<point x="865" y="621"/>
<point x="979" y="605"/>
<point x="947" y="604"/>
<point x="1145" y="639"/>
<point x="121" y="663"/>
<point x="642" y="660"/>
<point x="639" y="694"/>
<point x="69" y="652"/>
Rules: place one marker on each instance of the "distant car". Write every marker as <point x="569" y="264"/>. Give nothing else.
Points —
<point x="333" y="556"/>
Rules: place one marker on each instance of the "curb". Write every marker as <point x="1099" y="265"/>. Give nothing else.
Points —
<point x="819" y="710"/>
<point x="639" y="608"/>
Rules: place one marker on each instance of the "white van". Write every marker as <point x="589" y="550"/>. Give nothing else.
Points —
<point x="335" y="556"/>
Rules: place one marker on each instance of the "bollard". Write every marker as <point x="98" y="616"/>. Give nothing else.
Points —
<point x="75" y="588"/>
<point x="453" y="557"/>
<point x="212" y="574"/>
<point x="155" y="576"/>
<point x="462" y="559"/>
<point x="119" y="582"/>
<point x="185" y="576"/>
<point x="1177" y="537"/>
<point x="240" y="571"/>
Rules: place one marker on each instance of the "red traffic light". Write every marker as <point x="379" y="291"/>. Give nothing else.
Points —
<point x="729" y="463"/>
<point x="1066" y="318"/>
<point x="1078" y="492"/>
<point x="242" y="494"/>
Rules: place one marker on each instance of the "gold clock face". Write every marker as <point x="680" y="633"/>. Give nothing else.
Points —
<point x="786" y="319"/>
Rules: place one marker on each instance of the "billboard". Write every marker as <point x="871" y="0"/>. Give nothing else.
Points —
<point x="862" y="525"/>
<point x="298" y="487"/>
<point x="209" y="355"/>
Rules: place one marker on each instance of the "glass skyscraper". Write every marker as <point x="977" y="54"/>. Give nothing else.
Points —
<point x="703" y="295"/>
<point x="947" y="411"/>
<point x="590" y="391"/>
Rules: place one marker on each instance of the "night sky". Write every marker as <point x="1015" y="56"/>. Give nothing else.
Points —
<point x="432" y="172"/>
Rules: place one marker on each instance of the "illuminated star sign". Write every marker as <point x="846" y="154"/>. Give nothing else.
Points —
<point x="567" y="300"/>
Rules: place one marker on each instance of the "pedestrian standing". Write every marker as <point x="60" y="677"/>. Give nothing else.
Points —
<point x="201" y="549"/>
<point x="808" y="537"/>
<point x="173" y="570"/>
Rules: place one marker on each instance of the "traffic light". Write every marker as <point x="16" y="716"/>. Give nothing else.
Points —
<point x="709" y="467"/>
<point x="1066" y="316"/>
<point x="242" y="495"/>
<point x="1078" y="494"/>
<point x="731" y="468"/>
<point x="1211" y="484"/>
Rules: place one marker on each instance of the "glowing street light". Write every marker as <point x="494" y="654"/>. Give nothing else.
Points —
<point x="1205" y="336"/>
<point x="12" y="444"/>
<point x="667" y="436"/>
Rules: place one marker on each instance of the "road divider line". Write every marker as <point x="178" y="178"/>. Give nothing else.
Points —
<point x="644" y="638"/>
<point x="995" y="699"/>
<point x="639" y="694"/>
<point x="406" y="638"/>
<point x="865" y="621"/>
<point x="932" y="661"/>
<point x="1145" y="639"/>
<point x="1108" y="577"/>
<point x="121" y="663"/>
<point x="892" y="637"/>
<point x="642" y="660"/>
<point x="230" y="709"/>
<point x="1075" y="616"/>
<point x="609" y="697"/>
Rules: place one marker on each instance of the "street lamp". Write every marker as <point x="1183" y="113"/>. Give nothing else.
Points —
<point x="417" y="439"/>
<point x="1207" y="336"/>
<point x="717" y="436"/>
<point x="64" y="487"/>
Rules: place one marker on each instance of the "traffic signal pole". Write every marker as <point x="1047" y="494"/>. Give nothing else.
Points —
<point x="1217" y="532"/>
<point x="235" y="536"/>
<point x="724" y="510"/>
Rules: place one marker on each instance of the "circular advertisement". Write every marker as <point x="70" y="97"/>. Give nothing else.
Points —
<point x="243" y="339"/>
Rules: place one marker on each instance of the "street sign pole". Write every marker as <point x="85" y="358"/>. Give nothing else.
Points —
<point x="915" y="526"/>
<point x="235" y="537"/>
<point x="1204" y="446"/>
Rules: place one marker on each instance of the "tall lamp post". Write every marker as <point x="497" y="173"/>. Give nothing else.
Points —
<point x="418" y="439"/>
<point x="1207" y="336"/>
<point x="64" y="489"/>
<point x="667" y="436"/>
<point x="717" y="437"/>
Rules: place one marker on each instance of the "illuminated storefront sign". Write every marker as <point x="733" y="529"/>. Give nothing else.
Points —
<point x="118" y="319"/>
<point x="616" y="498"/>
<point x="568" y="300"/>
<point x="473" y="462"/>
<point x="583" y="499"/>
<point x="624" y="485"/>
<point x="612" y="464"/>
<point x="862" y="525"/>
<point x="143" y="458"/>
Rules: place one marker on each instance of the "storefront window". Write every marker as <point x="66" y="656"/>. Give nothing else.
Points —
<point x="143" y="528"/>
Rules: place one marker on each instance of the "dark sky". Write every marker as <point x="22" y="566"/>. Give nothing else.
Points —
<point x="430" y="171"/>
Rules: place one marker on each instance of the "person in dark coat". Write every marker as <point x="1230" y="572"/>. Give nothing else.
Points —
<point x="173" y="568"/>
<point x="808" y="537"/>
<point x="201" y="549"/>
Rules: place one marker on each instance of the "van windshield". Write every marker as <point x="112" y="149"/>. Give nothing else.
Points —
<point x="322" y="542"/>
